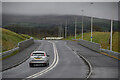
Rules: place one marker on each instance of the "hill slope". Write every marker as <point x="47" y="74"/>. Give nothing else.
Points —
<point x="10" y="39"/>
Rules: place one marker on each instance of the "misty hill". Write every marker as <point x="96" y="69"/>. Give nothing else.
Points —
<point x="42" y="19"/>
<point x="49" y="25"/>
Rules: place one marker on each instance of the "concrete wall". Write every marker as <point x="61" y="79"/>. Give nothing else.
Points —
<point x="7" y="53"/>
<point x="21" y="46"/>
<point x="112" y="53"/>
<point x="90" y="45"/>
<point x="24" y="44"/>
<point x="96" y="47"/>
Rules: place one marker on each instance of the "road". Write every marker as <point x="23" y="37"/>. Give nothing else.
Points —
<point x="68" y="64"/>
<point x="103" y="66"/>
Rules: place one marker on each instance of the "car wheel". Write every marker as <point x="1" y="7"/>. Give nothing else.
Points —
<point x="47" y="64"/>
<point x="31" y="65"/>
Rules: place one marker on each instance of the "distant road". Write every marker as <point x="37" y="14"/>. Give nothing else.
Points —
<point x="70" y="65"/>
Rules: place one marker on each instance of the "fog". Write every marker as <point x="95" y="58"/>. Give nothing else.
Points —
<point x="0" y="13"/>
<point x="107" y="10"/>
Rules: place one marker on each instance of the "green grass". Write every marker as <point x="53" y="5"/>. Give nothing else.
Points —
<point x="101" y="38"/>
<point x="10" y="39"/>
<point x="115" y="42"/>
<point x="25" y="36"/>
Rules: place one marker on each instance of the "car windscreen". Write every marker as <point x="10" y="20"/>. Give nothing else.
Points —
<point x="38" y="54"/>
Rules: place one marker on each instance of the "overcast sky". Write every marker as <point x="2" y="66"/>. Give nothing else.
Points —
<point x="0" y="14"/>
<point x="108" y="10"/>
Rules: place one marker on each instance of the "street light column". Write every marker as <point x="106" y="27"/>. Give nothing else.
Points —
<point x="82" y="24"/>
<point x="91" y="27"/>
<point x="75" y="26"/>
<point x="111" y="35"/>
<point x="66" y="29"/>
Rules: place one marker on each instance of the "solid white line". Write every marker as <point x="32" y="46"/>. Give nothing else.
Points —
<point x="52" y="66"/>
<point x="90" y="67"/>
<point x="71" y="50"/>
<point x="56" y="59"/>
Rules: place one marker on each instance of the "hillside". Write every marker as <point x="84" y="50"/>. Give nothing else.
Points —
<point x="50" y="25"/>
<point x="10" y="39"/>
<point x="101" y="38"/>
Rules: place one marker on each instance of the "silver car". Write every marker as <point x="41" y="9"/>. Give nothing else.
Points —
<point x="39" y="58"/>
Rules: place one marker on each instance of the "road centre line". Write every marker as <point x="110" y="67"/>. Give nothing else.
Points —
<point x="55" y="62"/>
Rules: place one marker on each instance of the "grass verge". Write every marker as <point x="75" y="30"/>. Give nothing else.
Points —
<point x="103" y="38"/>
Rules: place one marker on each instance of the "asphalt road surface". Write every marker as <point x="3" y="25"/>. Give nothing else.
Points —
<point x="103" y="66"/>
<point x="67" y="64"/>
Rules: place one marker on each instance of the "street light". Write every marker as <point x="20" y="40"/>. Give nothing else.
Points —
<point x="66" y="29"/>
<point x="91" y="27"/>
<point x="75" y="26"/>
<point x="111" y="35"/>
<point x="82" y="24"/>
<point x="91" y="22"/>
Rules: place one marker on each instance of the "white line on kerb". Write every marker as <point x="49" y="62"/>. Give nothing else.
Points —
<point x="56" y="59"/>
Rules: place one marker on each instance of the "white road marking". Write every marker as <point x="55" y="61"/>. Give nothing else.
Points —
<point x="71" y="49"/>
<point x="90" y="67"/>
<point x="56" y="59"/>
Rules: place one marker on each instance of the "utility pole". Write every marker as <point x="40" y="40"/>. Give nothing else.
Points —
<point x="111" y="35"/>
<point x="66" y="29"/>
<point x="91" y="27"/>
<point x="82" y="24"/>
<point x="75" y="26"/>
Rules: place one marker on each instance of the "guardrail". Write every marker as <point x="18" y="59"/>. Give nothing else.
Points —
<point x="21" y="46"/>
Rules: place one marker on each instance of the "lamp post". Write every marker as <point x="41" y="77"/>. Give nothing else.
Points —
<point x="82" y="24"/>
<point x="66" y="29"/>
<point x="75" y="26"/>
<point x="111" y="35"/>
<point x="91" y="23"/>
<point x="91" y="27"/>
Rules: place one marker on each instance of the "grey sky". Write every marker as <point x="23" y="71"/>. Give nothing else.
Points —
<point x="108" y="10"/>
<point x="0" y="14"/>
<point x="60" y="0"/>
